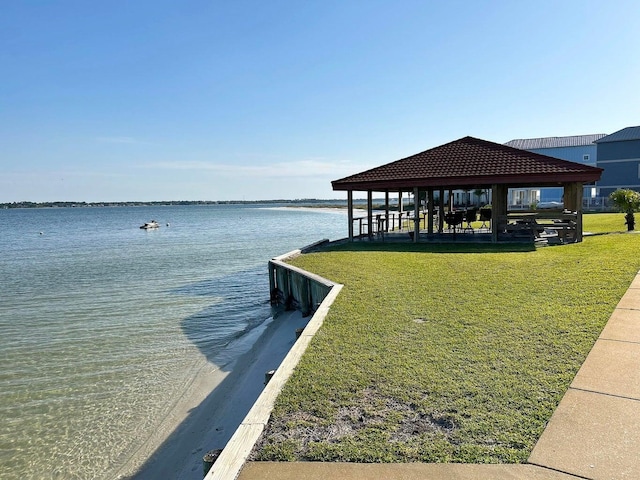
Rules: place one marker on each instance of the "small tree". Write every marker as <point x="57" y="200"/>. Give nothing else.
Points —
<point x="627" y="201"/>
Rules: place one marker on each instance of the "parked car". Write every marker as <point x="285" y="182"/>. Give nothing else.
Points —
<point x="550" y="206"/>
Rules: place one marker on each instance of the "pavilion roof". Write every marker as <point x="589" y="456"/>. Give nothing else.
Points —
<point x="470" y="163"/>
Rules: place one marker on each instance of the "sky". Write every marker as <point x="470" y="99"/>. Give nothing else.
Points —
<point x="152" y="100"/>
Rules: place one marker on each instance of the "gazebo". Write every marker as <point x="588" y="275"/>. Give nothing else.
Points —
<point x="469" y="164"/>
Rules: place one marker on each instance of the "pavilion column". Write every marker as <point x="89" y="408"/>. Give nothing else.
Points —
<point x="573" y="201"/>
<point x="386" y="210"/>
<point x="400" y="209"/>
<point x="498" y="208"/>
<point x="430" y="210"/>
<point x="350" y="213"/>
<point x="572" y="196"/>
<point x="416" y="214"/>
<point x="441" y="212"/>
<point x="369" y="213"/>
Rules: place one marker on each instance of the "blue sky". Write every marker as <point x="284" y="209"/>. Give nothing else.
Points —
<point x="223" y="100"/>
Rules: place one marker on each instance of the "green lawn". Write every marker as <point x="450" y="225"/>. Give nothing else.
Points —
<point x="439" y="353"/>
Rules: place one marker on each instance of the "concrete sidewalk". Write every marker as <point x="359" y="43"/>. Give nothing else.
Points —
<point x="595" y="431"/>
<point x="593" y="434"/>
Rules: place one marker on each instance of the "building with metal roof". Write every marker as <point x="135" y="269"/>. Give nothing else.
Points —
<point x="625" y="135"/>
<point x="575" y="148"/>
<point x="555" y="142"/>
<point x="619" y="156"/>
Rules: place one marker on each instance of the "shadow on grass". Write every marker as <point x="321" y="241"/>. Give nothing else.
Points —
<point x="428" y="247"/>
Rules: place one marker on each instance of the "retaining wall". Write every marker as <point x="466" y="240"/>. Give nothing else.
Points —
<point x="293" y="288"/>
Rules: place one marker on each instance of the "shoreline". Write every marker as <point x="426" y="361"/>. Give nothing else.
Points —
<point x="341" y="210"/>
<point x="209" y="411"/>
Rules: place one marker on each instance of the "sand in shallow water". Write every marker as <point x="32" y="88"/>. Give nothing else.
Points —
<point x="207" y="414"/>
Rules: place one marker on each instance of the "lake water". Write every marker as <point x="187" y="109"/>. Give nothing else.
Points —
<point x="102" y="324"/>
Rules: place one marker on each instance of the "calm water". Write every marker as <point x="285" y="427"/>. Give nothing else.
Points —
<point x="102" y="325"/>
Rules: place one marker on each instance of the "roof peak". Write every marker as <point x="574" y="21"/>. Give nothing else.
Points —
<point x="626" y="134"/>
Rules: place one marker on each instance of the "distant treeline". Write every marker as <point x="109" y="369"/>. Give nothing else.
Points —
<point x="305" y="201"/>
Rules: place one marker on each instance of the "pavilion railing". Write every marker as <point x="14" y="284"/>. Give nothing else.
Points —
<point x="381" y="222"/>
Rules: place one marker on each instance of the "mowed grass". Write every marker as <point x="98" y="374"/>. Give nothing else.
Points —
<point x="447" y="354"/>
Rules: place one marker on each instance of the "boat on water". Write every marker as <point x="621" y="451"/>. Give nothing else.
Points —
<point x="150" y="225"/>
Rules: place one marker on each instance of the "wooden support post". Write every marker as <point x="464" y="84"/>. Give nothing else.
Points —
<point x="441" y="212"/>
<point x="579" y="227"/>
<point x="386" y="211"/>
<point x="370" y="214"/>
<point x="573" y="201"/>
<point x="350" y="213"/>
<point x="305" y="303"/>
<point x="400" y="207"/>
<point x="272" y="285"/>
<point x="430" y="210"/>
<point x="498" y="208"/>
<point x="416" y="215"/>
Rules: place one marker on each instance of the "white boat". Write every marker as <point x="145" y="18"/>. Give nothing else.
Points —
<point x="150" y="225"/>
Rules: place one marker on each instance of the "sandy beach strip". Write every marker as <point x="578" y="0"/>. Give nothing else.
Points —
<point x="208" y="413"/>
<point x="357" y="212"/>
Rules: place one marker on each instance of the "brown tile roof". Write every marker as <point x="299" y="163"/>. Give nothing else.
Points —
<point x="470" y="162"/>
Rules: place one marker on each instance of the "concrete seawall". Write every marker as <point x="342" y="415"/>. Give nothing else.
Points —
<point x="292" y="288"/>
